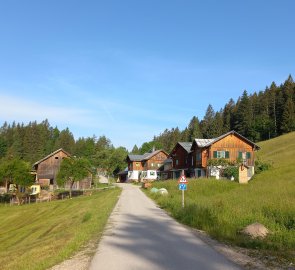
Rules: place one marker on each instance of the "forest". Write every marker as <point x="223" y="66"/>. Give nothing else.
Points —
<point x="259" y="116"/>
<point x="34" y="141"/>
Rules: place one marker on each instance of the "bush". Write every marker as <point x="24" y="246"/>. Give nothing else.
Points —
<point x="230" y="171"/>
<point x="261" y="166"/>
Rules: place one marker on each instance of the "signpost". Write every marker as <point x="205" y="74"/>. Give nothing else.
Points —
<point x="182" y="185"/>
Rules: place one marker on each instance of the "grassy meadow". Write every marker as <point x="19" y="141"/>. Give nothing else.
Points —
<point x="223" y="208"/>
<point x="38" y="236"/>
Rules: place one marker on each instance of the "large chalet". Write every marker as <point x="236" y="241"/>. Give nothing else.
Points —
<point x="231" y="146"/>
<point x="193" y="159"/>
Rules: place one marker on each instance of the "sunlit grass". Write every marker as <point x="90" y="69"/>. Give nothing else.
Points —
<point x="38" y="236"/>
<point x="222" y="208"/>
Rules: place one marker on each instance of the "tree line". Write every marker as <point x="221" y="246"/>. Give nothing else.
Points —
<point x="32" y="142"/>
<point x="259" y="116"/>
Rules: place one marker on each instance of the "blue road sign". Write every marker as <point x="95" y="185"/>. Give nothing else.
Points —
<point x="182" y="186"/>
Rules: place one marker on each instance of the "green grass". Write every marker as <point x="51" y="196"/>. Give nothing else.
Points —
<point x="38" y="236"/>
<point x="222" y="208"/>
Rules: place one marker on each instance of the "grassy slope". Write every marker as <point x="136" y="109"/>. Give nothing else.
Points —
<point x="223" y="208"/>
<point x="38" y="236"/>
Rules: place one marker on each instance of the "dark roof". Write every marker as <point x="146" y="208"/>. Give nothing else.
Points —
<point x="125" y="171"/>
<point x="207" y="142"/>
<point x="50" y="155"/>
<point x="186" y="146"/>
<point x="145" y="156"/>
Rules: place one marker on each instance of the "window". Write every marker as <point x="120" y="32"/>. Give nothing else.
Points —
<point x="137" y="164"/>
<point x="152" y="173"/>
<point x="220" y="154"/>
<point x="247" y="155"/>
<point x="176" y="162"/>
<point x="56" y="157"/>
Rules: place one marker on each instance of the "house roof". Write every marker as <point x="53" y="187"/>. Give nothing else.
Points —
<point x="50" y="155"/>
<point x="145" y="156"/>
<point x="186" y="146"/>
<point x="125" y="171"/>
<point x="168" y="160"/>
<point x="207" y="142"/>
<point x="204" y="142"/>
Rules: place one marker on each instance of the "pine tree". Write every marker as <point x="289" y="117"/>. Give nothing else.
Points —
<point x="207" y="124"/>
<point x="288" y="118"/>
<point x="135" y="150"/>
<point x="194" y="130"/>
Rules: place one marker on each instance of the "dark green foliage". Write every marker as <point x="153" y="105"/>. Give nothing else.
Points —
<point x="72" y="170"/>
<point x="15" y="171"/>
<point x="261" y="166"/>
<point x="34" y="141"/>
<point x="259" y="116"/>
<point x="230" y="171"/>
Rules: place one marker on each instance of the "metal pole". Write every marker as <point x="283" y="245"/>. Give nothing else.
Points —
<point x="182" y="198"/>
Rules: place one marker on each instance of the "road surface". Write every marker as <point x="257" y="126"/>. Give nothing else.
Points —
<point x="141" y="236"/>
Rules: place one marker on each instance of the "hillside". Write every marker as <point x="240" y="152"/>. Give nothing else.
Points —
<point x="224" y="208"/>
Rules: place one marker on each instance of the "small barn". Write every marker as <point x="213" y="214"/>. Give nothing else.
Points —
<point x="47" y="168"/>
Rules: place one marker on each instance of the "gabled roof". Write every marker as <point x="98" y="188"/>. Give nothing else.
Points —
<point x="145" y="156"/>
<point x="204" y="142"/>
<point x="50" y="155"/>
<point x="207" y="142"/>
<point x="186" y="146"/>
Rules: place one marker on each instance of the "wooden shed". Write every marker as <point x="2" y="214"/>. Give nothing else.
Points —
<point x="48" y="167"/>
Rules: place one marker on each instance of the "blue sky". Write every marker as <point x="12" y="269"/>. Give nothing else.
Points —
<point x="130" y="69"/>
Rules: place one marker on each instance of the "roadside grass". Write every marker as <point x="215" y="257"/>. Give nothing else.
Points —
<point x="38" y="236"/>
<point x="223" y="208"/>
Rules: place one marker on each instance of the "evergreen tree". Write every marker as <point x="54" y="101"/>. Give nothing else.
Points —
<point x="66" y="141"/>
<point x="207" y="124"/>
<point x="288" y="118"/>
<point x="194" y="130"/>
<point x="135" y="150"/>
<point x="227" y="116"/>
<point x="243" y="116"/>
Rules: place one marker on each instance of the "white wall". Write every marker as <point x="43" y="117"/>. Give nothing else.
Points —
<point x="132" y="176"/>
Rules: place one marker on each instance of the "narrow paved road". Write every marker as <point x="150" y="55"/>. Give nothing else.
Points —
<point x="140" y="236"/>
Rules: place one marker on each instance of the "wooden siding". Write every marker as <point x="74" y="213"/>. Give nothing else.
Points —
<point x="180" y="157"/>
<point x="232" y="144"/>
<point x="155" y="161"/>
<point x="48" y="168"/>
<point x="135" y="166"/>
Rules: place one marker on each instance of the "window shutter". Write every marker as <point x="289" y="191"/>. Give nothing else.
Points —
<point x="240" y="155"/>
<point x="248" y="155"/>
<point x="214" y="154"/>
<point x="226" y="154"/>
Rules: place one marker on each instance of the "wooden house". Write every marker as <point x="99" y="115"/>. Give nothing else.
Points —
<point x="146" y="166"/>
<point x="232" y="147"/>
<point x="181" y="160"/>
<point x="48" y="167"/>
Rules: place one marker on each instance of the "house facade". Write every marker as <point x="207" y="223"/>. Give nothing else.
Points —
<point x="231" y="147"/>
<point x="181" y="160"/>
<point x="48" y="167"/>
<point x="145" y="167"/>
